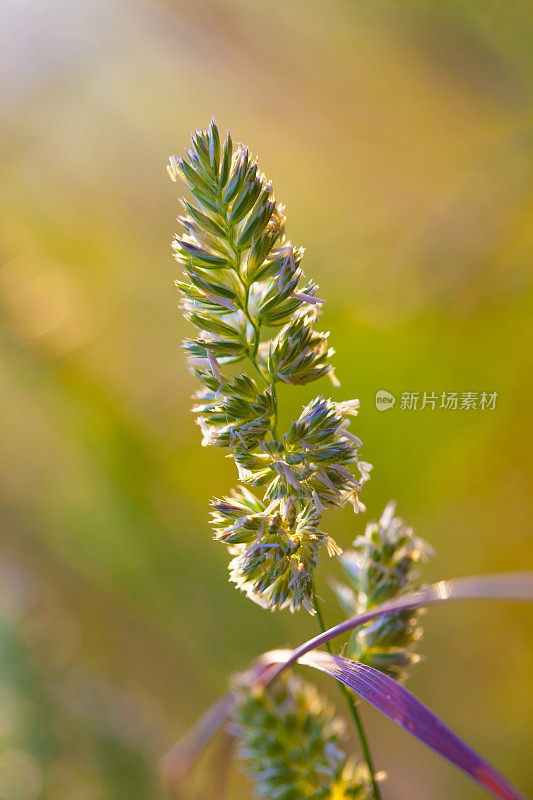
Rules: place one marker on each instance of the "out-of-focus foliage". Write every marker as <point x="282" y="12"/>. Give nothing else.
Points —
<point x="399" y="137"/>
<point x="63" y="733"/>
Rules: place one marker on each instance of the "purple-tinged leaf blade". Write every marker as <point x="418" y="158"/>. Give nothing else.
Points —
<point x="513" y="586"/>
<point x="409" y="713"/>
<point x="506" y="586"/>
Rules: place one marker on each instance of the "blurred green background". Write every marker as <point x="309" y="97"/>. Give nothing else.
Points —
<point x="399" y="135"/>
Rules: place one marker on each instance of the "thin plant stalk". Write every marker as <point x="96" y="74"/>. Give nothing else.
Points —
<point x="350" y="702"/>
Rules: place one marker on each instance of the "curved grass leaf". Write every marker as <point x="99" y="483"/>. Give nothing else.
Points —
<point x="506" y="586"/>
<point x="383" y="692"/>
<point x="392" y="699"/>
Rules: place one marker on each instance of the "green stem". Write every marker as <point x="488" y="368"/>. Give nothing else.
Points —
<point x="350" y="702"/>
<point x="268" y="379"/>
<point x="257" y="339"/>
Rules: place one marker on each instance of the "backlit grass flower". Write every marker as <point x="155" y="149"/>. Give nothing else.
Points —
<point x="244" y="290"/>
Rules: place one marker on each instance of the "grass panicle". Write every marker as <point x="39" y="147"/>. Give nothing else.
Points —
<point x="243" y="288"/>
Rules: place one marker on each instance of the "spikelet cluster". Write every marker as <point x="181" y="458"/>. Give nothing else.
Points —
<point x="290" y="743"/>
<point x="383" y="565"/>
<point x="244" y="290"/>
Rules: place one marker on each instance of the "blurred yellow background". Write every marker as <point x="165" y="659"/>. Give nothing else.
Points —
<point x="399" y="135"/>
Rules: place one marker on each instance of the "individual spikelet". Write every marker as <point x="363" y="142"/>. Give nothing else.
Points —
<point x="383" y="565"/>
